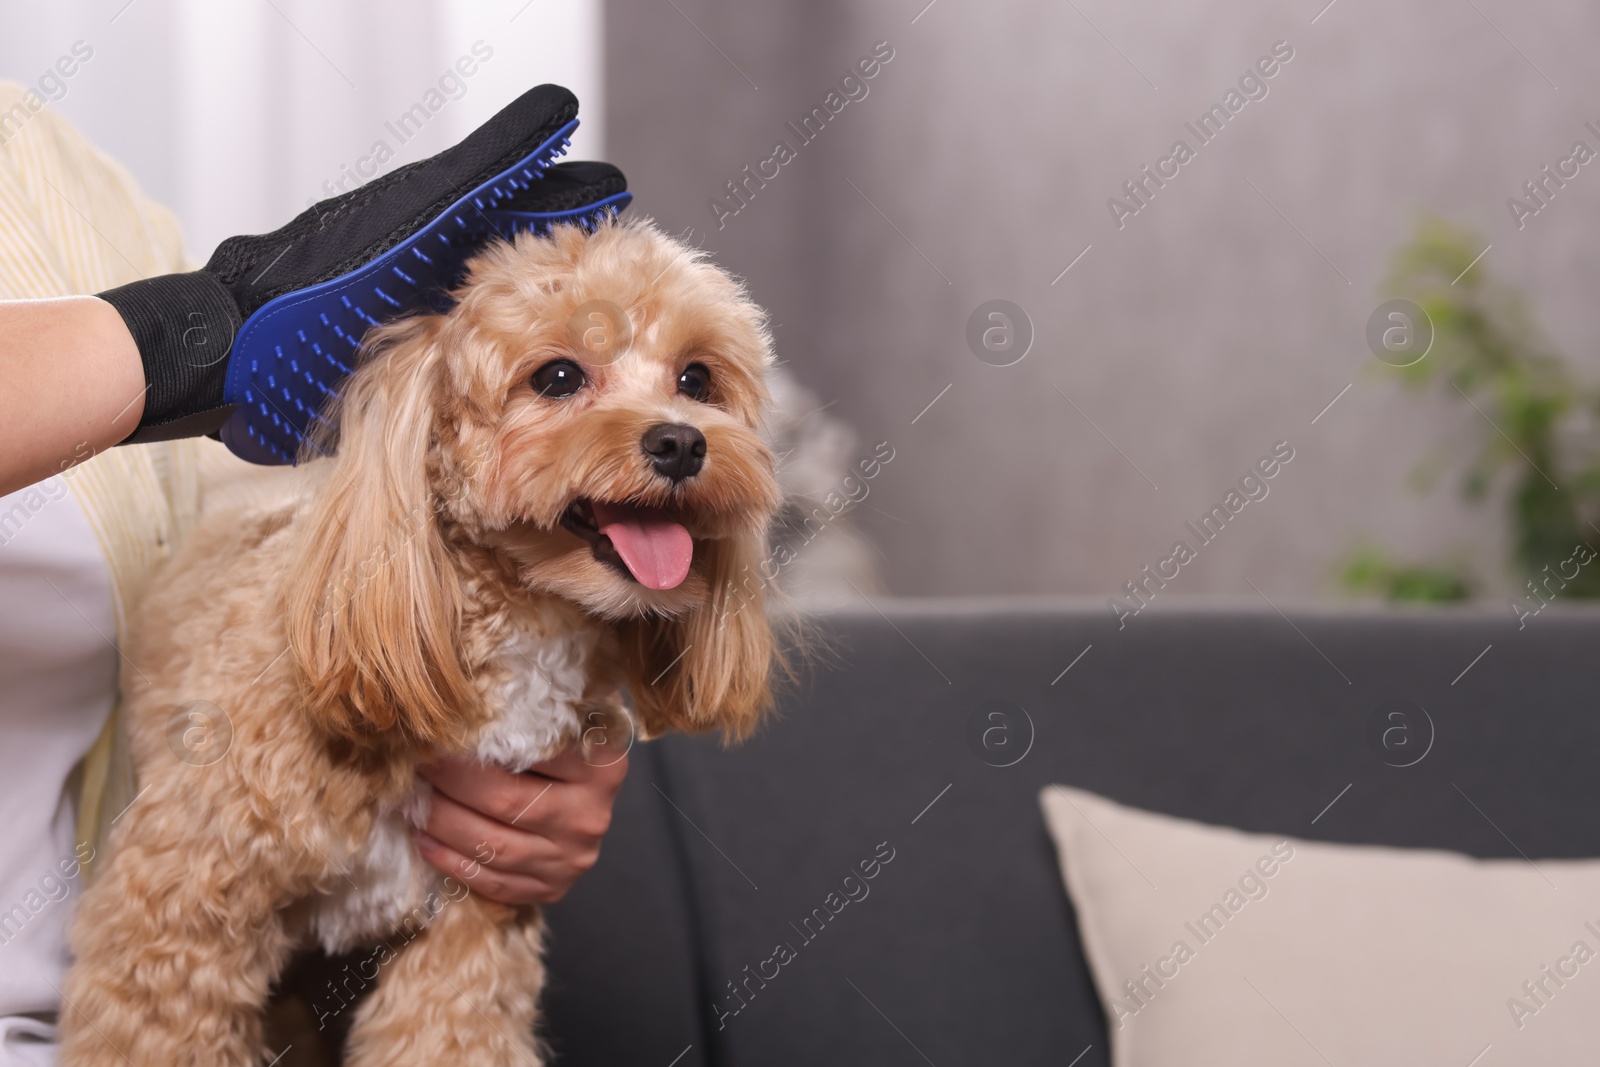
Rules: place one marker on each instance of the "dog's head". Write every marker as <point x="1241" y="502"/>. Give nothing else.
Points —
<point x="583" y="423"/>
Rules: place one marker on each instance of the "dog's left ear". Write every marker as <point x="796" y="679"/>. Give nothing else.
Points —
<point x="711" y="668"/>
<point x="373" y="601"/>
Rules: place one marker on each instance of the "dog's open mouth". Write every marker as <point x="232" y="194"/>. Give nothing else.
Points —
<point x="649" y="545"/>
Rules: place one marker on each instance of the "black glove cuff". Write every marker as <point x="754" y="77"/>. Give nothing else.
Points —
<point x="184" y="326"/>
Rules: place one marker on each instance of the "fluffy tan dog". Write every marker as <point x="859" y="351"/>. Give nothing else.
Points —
<point x="517" y="522"/>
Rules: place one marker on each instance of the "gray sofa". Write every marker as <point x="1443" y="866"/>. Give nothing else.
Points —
<point x="963" y="949"/>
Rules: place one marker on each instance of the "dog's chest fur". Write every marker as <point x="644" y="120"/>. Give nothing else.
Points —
<point x="534" y="712"/>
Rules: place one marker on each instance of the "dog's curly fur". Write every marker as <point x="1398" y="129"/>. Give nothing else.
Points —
<point x="417" y="594"/>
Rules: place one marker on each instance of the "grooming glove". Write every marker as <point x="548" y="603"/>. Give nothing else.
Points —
<point x="252" y="347"/>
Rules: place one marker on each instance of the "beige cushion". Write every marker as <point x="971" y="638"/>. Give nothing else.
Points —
<point x="1212" y="946"/>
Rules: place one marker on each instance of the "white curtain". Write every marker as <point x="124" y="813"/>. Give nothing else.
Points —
<point x="238" y="113"/>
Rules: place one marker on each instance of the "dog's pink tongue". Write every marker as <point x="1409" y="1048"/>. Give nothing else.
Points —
<point x="656" y="549"/>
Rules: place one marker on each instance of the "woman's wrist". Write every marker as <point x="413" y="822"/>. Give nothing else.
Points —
<point x="74" y="385"/>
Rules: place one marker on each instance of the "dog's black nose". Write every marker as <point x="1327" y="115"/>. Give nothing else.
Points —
<point x="678" y="451"/>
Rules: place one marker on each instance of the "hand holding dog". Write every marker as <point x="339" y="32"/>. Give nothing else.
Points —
<point x="519" y="838"/>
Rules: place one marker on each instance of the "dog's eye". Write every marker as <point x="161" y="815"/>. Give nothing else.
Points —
<point x="558" y="378"/>
<point x="695" y="382"/>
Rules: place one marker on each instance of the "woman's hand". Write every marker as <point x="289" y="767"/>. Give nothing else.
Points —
<point x="519" y="838"/>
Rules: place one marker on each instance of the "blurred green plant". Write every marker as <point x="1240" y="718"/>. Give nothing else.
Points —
<point x="1368" y="570"/>
<point x="1537" y="429"/>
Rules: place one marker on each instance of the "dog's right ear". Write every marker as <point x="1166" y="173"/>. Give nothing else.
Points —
<point x="373" y="602"/>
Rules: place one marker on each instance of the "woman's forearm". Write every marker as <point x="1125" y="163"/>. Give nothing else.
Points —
<point x="71" y="383"/>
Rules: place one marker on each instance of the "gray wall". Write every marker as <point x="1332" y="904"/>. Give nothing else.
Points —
<point x="1195" y="337"/>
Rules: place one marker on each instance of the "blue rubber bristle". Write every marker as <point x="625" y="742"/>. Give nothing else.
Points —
<point x="356" y="310"/>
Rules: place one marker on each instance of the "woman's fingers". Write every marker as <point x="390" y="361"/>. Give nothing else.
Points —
<point x="505" y="887"/>
<point x="483" y="787"/>
<point x="526" y="838"/>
